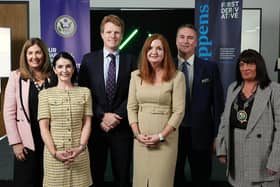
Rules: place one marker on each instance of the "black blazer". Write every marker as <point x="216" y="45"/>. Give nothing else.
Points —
<point x="207" y="103"/>
<point x="91" y="75"/>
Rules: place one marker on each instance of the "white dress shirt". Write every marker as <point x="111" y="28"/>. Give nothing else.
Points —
<point x="107" y="60"/>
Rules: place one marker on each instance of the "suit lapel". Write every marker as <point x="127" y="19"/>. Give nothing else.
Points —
<point x="233" y="96"/>
<point x="24" y="97"/>
<point x="122" y="66"/>
<point x="260" y="102"/>
<point x="100" y="72"/>
<point x="197" y="74"/>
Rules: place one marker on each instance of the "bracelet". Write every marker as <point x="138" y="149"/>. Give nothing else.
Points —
<point x="82" y="147"/>
<point x="54" y="155"/>
<point x="135" y="135"/>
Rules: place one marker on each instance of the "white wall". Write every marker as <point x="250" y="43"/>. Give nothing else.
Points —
<point x="269" y="32"/>
<point x="34" y="18"/>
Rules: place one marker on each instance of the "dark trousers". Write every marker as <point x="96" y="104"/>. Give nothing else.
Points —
<point x="29" y="173"/>
<point x="200" y="161"/>
<point x="120" y="147"/>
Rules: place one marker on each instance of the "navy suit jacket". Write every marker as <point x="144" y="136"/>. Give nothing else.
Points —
<point x="91" y="75"/>
<point x="207" y="104"/>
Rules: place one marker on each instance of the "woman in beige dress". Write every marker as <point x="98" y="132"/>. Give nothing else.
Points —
<point x="156" y="105"/>
<point x="64" y="116"/>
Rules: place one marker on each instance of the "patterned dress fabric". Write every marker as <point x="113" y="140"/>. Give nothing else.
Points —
<point x="66" y="109"/>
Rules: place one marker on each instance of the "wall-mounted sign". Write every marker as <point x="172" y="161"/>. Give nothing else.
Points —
<point x="5" y="51"/>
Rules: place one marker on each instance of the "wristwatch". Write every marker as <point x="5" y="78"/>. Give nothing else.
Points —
<point x="135" y="135"/>
<point x="161" y="138"/>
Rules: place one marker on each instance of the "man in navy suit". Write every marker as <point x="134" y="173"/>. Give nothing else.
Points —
<point x="204" y="105"/>
<point x="109" y="86"/>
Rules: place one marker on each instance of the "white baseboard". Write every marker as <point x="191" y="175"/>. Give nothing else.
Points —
<point x="1" y="138"/>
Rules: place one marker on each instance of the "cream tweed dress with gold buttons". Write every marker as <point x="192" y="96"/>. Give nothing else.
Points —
<point x="66" y="110"/>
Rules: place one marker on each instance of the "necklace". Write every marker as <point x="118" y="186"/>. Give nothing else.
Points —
<point x="241" y="113"/>
<point x="247" y="91"/>
<point x="38" y="87"/>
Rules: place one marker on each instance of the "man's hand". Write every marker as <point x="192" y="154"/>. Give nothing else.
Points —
<point x="222" y="159"/>
<point x="214" y="146"/>
<point x="104" y="127"/>
<point x="110" y="121"/>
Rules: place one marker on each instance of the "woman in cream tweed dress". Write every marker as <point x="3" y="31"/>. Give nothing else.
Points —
<point x="65" y="116"/>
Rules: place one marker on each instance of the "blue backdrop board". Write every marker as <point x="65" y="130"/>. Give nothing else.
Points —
<point x="65" y="26"/>
<point x="219" y="34"/>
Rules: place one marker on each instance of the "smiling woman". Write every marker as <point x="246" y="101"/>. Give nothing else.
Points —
<point x="248" y="70"/>
<point x="64" y="70"/>
<point x="64" y="114"/>
<point x="156" y="105"/>
<point x="20" y="112"/>
<point x="155" y="56"/>
<point x="248" y="136"/>
<point x="64" y="67"/>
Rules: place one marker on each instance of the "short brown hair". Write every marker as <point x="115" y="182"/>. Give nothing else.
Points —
<point x="24" y="69"/>
<point x="186" y="25"/>
<point x="113" y="19"/>
<point x="146" y="71"/>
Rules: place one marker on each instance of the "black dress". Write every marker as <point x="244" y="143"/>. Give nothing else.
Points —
<point x="29" y="173"/>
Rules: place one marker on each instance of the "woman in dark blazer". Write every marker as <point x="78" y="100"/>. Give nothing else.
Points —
<point x="20" y="112"/>
<point x="249" y="136"/>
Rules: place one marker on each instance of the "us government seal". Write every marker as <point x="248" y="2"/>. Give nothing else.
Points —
<point x="65" y="26"/>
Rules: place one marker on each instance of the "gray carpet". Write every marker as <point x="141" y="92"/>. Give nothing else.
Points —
<point x="6" y="160"/>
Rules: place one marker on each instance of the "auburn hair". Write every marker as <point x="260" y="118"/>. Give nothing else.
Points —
<point x="147" y="73"/>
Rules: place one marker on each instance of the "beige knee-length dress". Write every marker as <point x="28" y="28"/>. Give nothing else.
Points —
<point x="66" y="110"/>
<point x="153" y="107"/>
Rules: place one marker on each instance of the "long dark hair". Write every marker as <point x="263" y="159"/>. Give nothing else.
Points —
<point x="67" y="56"/>
<point x="251" y="56"/>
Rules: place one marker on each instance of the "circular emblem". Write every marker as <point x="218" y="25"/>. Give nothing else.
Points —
<point x="242" y="116"/>
<point x="65" y="26"/>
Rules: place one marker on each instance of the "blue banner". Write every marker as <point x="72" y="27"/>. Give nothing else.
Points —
<point x="219" y="34"/>
<point x="65" y="26"/>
